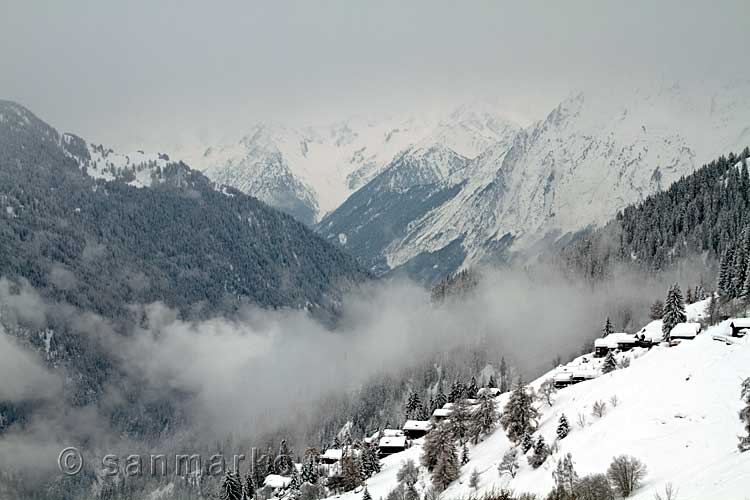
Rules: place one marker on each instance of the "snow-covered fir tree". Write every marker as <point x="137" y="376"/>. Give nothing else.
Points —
<point x="519" y="415"/>
<point x="609" y="364"/>
<point x="724" y="284"/>
<point x="284" y="462"/>
<point x="674" y="311"/>
<point x="310" y="470"/>
<point x="472" y="388"/>
<point x="295" y="483"/>
<point x="465" y="455"/>
<point x="351" y="472"/>
<point x="563" y="428"/>
<point x="231" y="487"/>
<point x="484" y="417"/>
<point x="608" y="328"/>
<point x="457" y="392"/>
<point x="700" y="292"/>
<point x="413" y="406"/>
<point x="541" y="452"/>
<point x="366" y="494"/>
<point x="370" y="460"/>
<point x="492" y="381"/>
<point x="504" y="385"/>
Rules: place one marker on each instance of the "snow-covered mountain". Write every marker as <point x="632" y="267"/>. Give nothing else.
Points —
<point x="310" y="171"/>
<point x="591" y="156"/>
<point x="675" y="409"/>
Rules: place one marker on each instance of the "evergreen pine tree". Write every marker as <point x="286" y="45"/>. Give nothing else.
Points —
<point x="492" y="382"/>
<point x="440" y="398"/>
<point x="725" y="273"/>
<point x="446" y="469"/>
<point x="294" y="483"/>
<point x="249" y="486"/>
<point x="607" y="328"/>
<point x="437" y="442"/>
<point x="284" y="462"/>
<point x="674" y="311"/>
<point x="484" y="417"/>
<point x="609" y="363"/>
<point x="351" y="472"/>
<point x="474" y="479"/>
<point x="460" y="420"/>
<point x="562" y="427"/>
<point x="231" y="487"/>
<point x="566" y="477"/>
<point x="519" y="415"/>
<point x="464" y="455"/>
<point x="689" y="296"/>
<point x="526" y="442"/>
<point x="366" y="495"/>
<point x="456" y="393"/>
<point x="472" y="388"/>
<point x="738" y="271"/>
<point x="541" y="451"/>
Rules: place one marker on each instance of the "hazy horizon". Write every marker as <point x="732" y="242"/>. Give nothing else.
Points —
<point x="154" y="75"/>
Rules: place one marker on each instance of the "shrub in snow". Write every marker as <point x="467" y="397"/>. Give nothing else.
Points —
<point x="474" y="479"/>
<point x="562" y="427"/>
<point x="670" y="493"/>
<point x="599" y="409"/>
<point x="308" y="492"/>
<point x="593" y="487"/>
<point x="509" y="464"/>
<point x="582" y="420"/>
<point x="408" y="474"/>
<point x="624" y="363"/>
<point x="744" y="444"/>
<point x="614" y="400"/>
<point x="626" y="474"/>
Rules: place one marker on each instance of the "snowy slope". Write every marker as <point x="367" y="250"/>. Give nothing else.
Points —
<point x="677" y="412"/>
<point x="591" y="156"/>
<point x="310" y="171"/>
<point x="138" y="169"/>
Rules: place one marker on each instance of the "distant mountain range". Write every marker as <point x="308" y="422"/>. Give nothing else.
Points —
<point x="428" y="197"/>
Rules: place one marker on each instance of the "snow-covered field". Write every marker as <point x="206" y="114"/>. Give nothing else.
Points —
<point x="677" y="411"/>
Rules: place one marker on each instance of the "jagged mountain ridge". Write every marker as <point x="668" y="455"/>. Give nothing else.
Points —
<point x="310" y="171"/>
<point x="591" y="156"/>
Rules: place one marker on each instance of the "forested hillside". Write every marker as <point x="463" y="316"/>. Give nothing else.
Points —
<point x="705" y="214"/>
<point x="102" y="245"/>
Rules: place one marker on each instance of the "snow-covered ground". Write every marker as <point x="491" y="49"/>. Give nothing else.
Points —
<point x="677" y="411"/>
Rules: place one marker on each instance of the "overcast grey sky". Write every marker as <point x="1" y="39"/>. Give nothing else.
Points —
<point x="145" y="72"/>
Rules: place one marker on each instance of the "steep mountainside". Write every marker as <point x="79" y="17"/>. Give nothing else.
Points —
<point x="675" y="409"/>
<point x="101" y="245"/>
<point x="705" y="214"/>
<point x="308" y="172"/>
<point x="592" y="156"/>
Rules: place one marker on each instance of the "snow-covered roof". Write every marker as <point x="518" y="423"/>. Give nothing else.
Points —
<point x="276" y="481"/>
<point x="563" y="376"/>
<point x="605" y="342"/>
<point x="447" y="406"/>
<point x="622" y="338"/>
<point x="492" y="391"/>
<point x="392" y="442"/>
<point x="584" y="373"/>
<point x="332" y="454"/>
<point x="417" y="425"/>
<point x="392" y="433"/>
<point x="685" y="330"/>
<point x="740" y="322"/>
<point x="442" y="412"/>
<point x="652" y="331"/>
